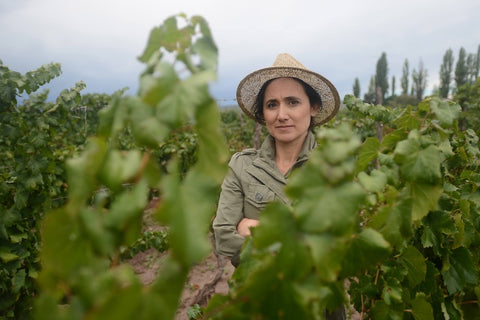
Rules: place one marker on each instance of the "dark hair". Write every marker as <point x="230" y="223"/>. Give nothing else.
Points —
<point x="313" y="97"/>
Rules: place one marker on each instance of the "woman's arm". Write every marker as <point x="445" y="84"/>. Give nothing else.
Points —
<point x="229" y="214"/>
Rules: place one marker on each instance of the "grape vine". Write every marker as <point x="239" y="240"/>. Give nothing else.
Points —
<point x="396" y="219"/>
<point x="83" y="240"/>
<point x="383" y="221"/>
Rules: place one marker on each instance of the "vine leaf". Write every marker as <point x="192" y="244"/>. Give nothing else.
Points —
<point x="415" y="264"/>
<point x="375" y="182"/>
<point x="459" y="270"/>
<point x="421" y="309"/>
<point x="366" y="249"/>
<point x="367" y="153"/>
<point x="424" y="198"/>
<point x="445" y="111"/>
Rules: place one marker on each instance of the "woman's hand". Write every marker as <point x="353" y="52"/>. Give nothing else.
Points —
<point x="243" y="227"/>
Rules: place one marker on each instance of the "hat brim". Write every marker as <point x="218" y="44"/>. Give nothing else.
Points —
<point x="249" y="87"/>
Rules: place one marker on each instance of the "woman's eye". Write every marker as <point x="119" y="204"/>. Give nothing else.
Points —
<point x="294" y="102"/>
<point x="270" y="105"/>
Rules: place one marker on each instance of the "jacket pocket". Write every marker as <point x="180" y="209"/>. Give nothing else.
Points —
<point x="257" y="196"/>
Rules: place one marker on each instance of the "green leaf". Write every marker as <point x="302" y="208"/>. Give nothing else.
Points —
<point x="153" y="44"/>
<point x="207" y="50"/>
<point x="421" y="309"/>
<point x="367" y="153"/>
<point x="120" y="167"/>
<point x="327" y="254"/>
<point x="415" y="264"/>
<point x="126" y="211"/>
<point x="18" y="280"/>
<point x="385" y="312"/>
<point x="366" y="249"/>
<point x="153" y="89"/>
<point x="445" y="111"/>
<point x="329" y="212"/>
<point x="212" y="149"/>
<point x="186" y="207"/>
<point x="6" y="255"/>
<point x="419" y="164"/>
<point x="64" y="251"/>
<point x="180" y="105"/>
<point x="375" y="182"/>
<point x="82" y="171"/>
<point x="277" y="225"/>
<point x="424" y="198"/>
<point x="459" y="270"/>
<point x="398" y="225"/>
<point x="150" y="132"/>
<point x="406" y="148"/>
<point x="390" y="140"/>
<point x="167" y="289"/>
<point x="408" y="120"/>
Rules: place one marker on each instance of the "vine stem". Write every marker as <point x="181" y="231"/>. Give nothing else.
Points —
<point x="363" y="308"/>
<point x="143" y="164"/>
<point x="468" y="302"/>
<point x="377" y="275"/>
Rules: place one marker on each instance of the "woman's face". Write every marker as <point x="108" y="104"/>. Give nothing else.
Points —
<point x="287" y="110"/>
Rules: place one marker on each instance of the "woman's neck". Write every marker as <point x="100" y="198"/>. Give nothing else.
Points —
<point x="286" y="154"/>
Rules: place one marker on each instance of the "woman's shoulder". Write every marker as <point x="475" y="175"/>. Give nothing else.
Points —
<point x="243" y="157"/>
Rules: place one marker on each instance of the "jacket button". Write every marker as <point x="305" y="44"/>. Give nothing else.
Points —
<point x="258" y="197"/>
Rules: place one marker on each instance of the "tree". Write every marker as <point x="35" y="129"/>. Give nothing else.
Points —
<point x="461" y="69"/>
<point x="471" y="59"/>
<point x="419" y="80"/>
<point x="477" y="63"/>
<point x="381" y="76"/>
<point x="404" y="80"/>
<point x="446" y="73"/>
<point x="393" y="86"/>
<point x="468" y="97"/>
<point x="370" y="96"/>
<point x="356" y="88"/>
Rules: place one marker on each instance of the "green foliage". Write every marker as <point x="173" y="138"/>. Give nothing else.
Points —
<point x="397" y="218"/>
<point x="468" y="96"/>
<point x="356" y="88"/>
<point x="461" y="68"/>
<point x="148" y="239"/>
<point x="446" y="73"/>
<point x="110" y="182"/>
<point x="35" y="139"/>
<point x="194" y="312"/>
<point x="381" y="74"/>
<point x="393" y="213"/>
<point x="13" y="83"/>
<point x="238" y="129"/>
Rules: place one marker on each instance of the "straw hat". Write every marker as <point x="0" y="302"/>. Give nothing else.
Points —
<point x="285" y="66"/>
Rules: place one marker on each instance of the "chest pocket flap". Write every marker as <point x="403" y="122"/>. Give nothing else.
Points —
<point x="259" y="195"/>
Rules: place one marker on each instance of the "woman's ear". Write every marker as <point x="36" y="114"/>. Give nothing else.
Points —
<point x="314" y="109"/>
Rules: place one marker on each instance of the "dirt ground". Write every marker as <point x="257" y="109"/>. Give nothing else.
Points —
<point x="204" y="280"/>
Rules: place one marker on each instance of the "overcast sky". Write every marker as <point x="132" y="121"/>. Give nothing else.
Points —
<point x="98" y="42"/>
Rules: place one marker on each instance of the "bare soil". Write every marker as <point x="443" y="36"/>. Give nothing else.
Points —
<point x="204" y="280"/>
<point x="209" y="277"/>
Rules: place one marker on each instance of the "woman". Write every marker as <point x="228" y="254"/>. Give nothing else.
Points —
<point x="289" y="100"/>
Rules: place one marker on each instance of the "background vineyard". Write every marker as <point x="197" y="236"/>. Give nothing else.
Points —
<point x="393" y="212"/>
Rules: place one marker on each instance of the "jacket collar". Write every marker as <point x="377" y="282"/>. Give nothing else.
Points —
<point x="266" y="158"/>
<point x="265" y="170"/>
<point x="267" y="150"/>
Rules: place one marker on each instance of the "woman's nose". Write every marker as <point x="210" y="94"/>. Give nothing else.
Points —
<point x="282" y="112"/>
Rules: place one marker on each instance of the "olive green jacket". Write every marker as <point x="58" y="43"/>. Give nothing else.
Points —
<point x="253" y="180"/>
